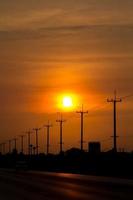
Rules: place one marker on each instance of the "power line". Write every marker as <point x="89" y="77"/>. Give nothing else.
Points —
<point x="127" y="96"/>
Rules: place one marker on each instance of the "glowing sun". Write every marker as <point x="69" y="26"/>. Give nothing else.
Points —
<point x="67" y="102"/>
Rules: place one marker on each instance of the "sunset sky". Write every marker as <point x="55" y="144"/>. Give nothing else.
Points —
<point x="52" y="48"/>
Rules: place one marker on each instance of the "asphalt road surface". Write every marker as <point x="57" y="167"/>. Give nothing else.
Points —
<point x="52" y="186"/>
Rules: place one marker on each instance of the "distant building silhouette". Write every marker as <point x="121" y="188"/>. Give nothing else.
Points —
<point x="94" y="147"/>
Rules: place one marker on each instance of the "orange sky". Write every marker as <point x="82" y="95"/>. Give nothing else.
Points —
<point x="79" y="47"/>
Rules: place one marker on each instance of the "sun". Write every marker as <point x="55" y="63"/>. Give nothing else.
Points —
<point x="67" y="102"/>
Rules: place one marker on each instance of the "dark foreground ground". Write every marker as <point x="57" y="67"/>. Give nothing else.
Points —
<point x="59" y="186"/>
<point x="74" y="161"/>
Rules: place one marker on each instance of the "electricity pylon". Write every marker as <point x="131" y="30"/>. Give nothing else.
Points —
<point x="82" y="113"/>
<point x="48" y="126"/>
<point x="115" y="100"/>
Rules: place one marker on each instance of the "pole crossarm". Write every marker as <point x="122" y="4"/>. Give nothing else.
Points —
<point x="114" y="100"/>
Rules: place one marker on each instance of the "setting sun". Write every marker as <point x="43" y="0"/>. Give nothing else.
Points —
<point x="67" y="102"/>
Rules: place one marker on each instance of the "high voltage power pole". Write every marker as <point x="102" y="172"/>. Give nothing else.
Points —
<point x="48" y="126"/>
<point x="82" y="113"/>
<point x="61" y="121"/>
<point x="36" y="131"/>
<point x="115" y="100"/>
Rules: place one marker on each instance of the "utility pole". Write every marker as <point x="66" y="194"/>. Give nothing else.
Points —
<point x="22" y="143"/>
<point x="29" y="142"/>
<point x="15" y="143"/>
<point x="61" y="121"/>
<point x="82" y="113"/>
<point x="36" y="131"/>
<point x="34" y="151"/>
<point x="1" y="148"/>
<point x="48" y="126"/>
<point x="9" y="142"/>
<point x="31" y="148"/>
<point x="4" y="147"/>
<point x="115" y="100"/>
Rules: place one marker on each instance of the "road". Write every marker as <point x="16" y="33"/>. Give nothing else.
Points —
<point x="59" y="186"/>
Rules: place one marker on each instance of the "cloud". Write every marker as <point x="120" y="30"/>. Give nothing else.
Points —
<point x="33" y="14"/>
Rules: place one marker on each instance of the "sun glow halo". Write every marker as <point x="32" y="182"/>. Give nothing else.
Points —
<point x="67" y="102"/>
